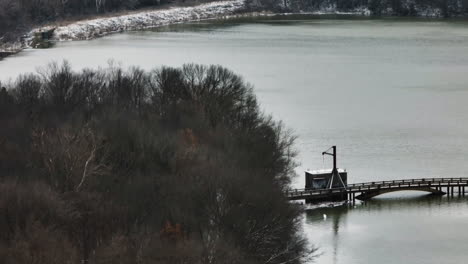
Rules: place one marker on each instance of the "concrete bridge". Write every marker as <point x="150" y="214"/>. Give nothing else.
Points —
<point x="367" y="190"/>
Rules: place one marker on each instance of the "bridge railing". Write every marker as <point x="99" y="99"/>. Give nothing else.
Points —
<point x="421" y="182"/>
<point x="425" y="180"/>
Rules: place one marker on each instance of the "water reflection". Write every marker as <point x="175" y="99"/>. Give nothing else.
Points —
<point x="390" y="229"/>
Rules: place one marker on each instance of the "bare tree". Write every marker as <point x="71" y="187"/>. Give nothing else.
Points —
<point x="71" y="156"/>
<point x="99" y="4"/>
<point x="127" y="151"/>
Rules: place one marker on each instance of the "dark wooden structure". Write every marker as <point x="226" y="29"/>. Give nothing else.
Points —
<point x="321" y="179"/>
<point x="327" y="179"/>
<point x="42" y="39"/>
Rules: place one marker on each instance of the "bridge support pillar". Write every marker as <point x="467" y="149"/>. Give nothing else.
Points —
<point x="452" y="191"/>
<point x="352" y="197"/>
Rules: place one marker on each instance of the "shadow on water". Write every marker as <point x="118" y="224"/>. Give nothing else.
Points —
<point x="276" y="20"/>
<point x="290" y="20"/>
<point x="384" y="203"/>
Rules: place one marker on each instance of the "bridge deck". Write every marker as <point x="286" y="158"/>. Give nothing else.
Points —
<point x="380" y="186"/>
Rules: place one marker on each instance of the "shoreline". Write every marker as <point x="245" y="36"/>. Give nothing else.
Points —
<point x="99" y="27"/>
<point x="88" y="29"/>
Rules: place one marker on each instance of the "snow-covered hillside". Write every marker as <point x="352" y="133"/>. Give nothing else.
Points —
<point x="89" y="29"/>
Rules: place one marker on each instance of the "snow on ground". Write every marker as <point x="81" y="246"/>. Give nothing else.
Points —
<point x="93" y="28"/>
<point x="89" y="29"/>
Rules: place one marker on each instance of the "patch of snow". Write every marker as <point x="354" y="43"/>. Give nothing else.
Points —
<point x="11" y="47"/>
<point x="324" y="171"/>
<point x="89" y="29"/>
<point x="93" y="28"/>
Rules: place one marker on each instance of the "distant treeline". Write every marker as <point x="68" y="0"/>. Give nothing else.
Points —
<point x="16" y="16"/>
<point x="176" y="165"/>
<point x="441" y="8"/>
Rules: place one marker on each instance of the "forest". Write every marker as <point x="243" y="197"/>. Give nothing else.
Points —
<point x="18" y="16"/>
<point x="431" y="8"/>
<point x="173" y="165"/>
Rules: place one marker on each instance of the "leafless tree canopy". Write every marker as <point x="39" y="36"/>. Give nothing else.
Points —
<point x="448" y="8"/>
<point x="16" y="16"/>
<point x="176" y="165"/>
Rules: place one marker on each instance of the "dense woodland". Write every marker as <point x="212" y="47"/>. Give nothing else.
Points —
<point x="176" y="165"/>
<point x="440" y="8"/>
<point x="17" y="16"/>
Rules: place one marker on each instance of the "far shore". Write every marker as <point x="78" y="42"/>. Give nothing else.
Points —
<point x="99" y="26"/>
<point x="106" y="24"/>
<point x="96" y="26"/>
<point x="90" y="27"/>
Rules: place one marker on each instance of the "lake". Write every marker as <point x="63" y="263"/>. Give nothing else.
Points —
<point x="390" y="93"/>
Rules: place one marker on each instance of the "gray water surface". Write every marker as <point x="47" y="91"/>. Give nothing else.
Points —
<point x="391" y="94"/>
<point x="416" y="230"/>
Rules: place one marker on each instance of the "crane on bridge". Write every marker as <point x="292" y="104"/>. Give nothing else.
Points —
<point x="334" y="174"/>
<point x="327" y="178"/>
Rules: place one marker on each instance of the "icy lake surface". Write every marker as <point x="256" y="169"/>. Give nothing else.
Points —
<point x="391" y="94"/>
